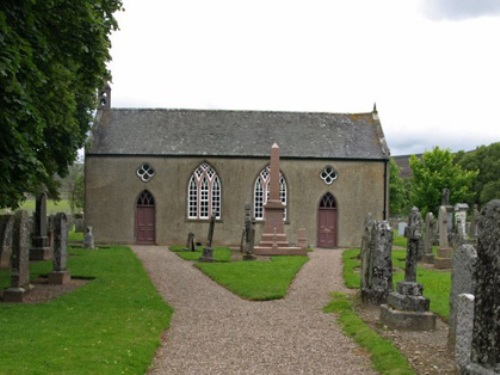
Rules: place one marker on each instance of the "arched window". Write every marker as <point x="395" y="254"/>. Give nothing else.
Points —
<point x="204" y="193"/>
<point x="261" y="193"/>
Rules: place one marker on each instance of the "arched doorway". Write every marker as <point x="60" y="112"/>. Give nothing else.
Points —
<point x="327" y="221"/>
<point x="145" y="218"/>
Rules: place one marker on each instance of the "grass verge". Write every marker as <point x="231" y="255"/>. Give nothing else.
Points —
<point x="221" y="254"/>
<point x="385" y="357"/>
<point x="112" y="325"/>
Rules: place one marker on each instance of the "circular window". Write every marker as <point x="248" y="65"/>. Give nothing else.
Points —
<point x="328" y="175"/>
<point x="145" y="172"/>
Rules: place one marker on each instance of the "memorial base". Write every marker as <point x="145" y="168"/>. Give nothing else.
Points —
<point x="428" y="259"/>
<point x="40" y="253"/>
<point x="14" y="294"/>
<point x="374" y="296"/>
<point x="279" y="250"/>
<point x="59" y="278"/>
<point x="207" y="255"/>
<point x="475" y="369"/>
<point x="407" y="320"/>
<point x="442" y="263"/>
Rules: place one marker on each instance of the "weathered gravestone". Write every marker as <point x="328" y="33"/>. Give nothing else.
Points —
<point x="20" y="276"/>
<point x="249" y="233"/>
<point x="461" y="218"/>
<point x="365" y="249"/>
<point x="6" y="227"/>
<point x="88" y="238"/>
<point x="60" y="274"/>
<point x="377" y="283"/>
<point x="51" y="234"/>
<point x="40" y="249"/>
<point x="464" y="328"/>
<point x="208" y="251"/>
<point x="443" y="258"/>
<point x="190" y="246"/>
<point x="429" y="238"/>
<point x="462" y="281"/>
<point x="473" y="222"/>
<point x="485" y="350"/>
<point x="407" y="308"/>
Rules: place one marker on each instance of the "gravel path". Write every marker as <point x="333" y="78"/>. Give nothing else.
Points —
<point x="216" y="332"/>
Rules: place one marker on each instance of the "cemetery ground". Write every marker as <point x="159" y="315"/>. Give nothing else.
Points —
<point x="84" y="329"/>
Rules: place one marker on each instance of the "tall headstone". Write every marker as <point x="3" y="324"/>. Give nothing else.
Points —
<point x="190" y="245"/>
<point x="20" y="276"/>
<point x="443" y="258"/>
<point x="249" y="235"/>
<point x="378" y="282"/>
<point x="462" y="281"/>
<point x="60" y="274"/>
<point x="208" y="251"/>
<point x="473" y="222"/>
<point x="461" y="218"/>
<point x="464" y="329"/>
<point x="485" y="351"/>
<point x="429" y="238"/>
<point x="407" y="308"/>
<point x="40" y="249"/>
<point x="273" y="239"/>
<point x="6" y="228"/>
<point x="365" y="250"/>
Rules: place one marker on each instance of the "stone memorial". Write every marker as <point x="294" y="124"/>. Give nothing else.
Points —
<point x="461" y="218"/>
<point x="6" y="227"/>
<point x="249" y="235"/>
<point x="464" y="327"/>
<point x="60" y="274"/>
<point x="88" y="238"/>
<point x="50" y="234"/>
<point x="79" y="225"/>
<point x="364" y="254"/>
<point x="377" y="283"/>
<point x="485" y="349"/>
<point x="473" y="222"/>
<point x="462" y="281"/>
<point x="443" y="258"/>
<point x="401" y="227"/>
<point x="208" y="251"/>
<point x="273" y="239"/>
<point x="407" y="308"/>
<point x="190" y="243"/>
<point x="40" y="249"/>
<point x="429" y="238"/>
<point x="20" y="276"/>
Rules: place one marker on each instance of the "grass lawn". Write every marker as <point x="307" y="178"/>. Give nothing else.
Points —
<point x="437" y="283"/>
<point x="252" y="280"/>
<point x="53" y="206"/>
<point x="112" y="325"/>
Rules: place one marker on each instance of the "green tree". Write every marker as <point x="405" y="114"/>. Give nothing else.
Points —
<point x="53" y="56"/>
<point x="398" y="190"/>
<point x="486" y="160"/>
<point x="434" y="172"/>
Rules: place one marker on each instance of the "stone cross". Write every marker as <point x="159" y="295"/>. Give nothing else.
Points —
<point x="443" y="227"/>
<point x="462" y="281"/>
<point x="378" y="275"/>
<point x="20" y="276"/>
<point x="485" y="352"/>
<point x="60" y="274"/>
<point x="413" y="232"/>
<point x="6" y="227"/>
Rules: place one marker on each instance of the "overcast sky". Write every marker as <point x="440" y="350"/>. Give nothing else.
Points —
<point x="431" y="66"/>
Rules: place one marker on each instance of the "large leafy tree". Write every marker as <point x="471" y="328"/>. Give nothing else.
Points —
<point x="435" y="171"/>
<point x="53" y="56"/>
<point x="398" y="190"/>
<point x="486" y="160"/>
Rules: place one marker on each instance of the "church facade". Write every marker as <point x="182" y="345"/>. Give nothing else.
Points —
<point x="154" y="175"/>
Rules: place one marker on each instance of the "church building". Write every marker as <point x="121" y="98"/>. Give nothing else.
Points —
<point x="154" y="175"/>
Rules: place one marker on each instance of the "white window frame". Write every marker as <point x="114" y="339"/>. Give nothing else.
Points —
<point x="261" y="193"/>
<point x="204" y="193"/>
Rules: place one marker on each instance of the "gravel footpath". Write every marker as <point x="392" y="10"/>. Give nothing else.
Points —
<point x="215" y="332"/>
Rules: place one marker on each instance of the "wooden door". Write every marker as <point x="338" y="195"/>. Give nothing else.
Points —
<point x="327" y="222"/>
<point x="145" y="218"/>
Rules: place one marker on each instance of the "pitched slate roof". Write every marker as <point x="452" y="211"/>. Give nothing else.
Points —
<point x="179" y="132"/>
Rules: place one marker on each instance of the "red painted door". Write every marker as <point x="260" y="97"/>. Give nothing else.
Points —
<point x="145" y="219"/>
<point x="327" y="222"/>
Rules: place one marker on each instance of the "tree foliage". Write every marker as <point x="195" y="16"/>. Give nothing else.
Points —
<point x="53" y="56"/>
<point x="398" y="190"/>
<point x="434" y="172"/>
<point x="486" y="160"/>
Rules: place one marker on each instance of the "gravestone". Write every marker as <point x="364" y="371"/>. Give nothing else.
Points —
<point x="88" y="239"/>
<point x="473" y="222"/>
<point x="40" y="249"/>
<point x="485" y="349"/>
<point x="249" y="233"/>
<point x="208" y="251"/>
<point x="50" y="234"/>
<point x="462" y="281"/>
<point x="6" y="228"/>
<point x="365" y="250"/>
<point x="461" y="218"/>
<point x="378" y="278"/>
<point x="79" y="225"/>
<point x="429" y="238"/>
<point x="60" y="274"/>
<point x="407" y="308"/>
<point x="190" y="246"/>
<point x="443" y="258"/>
<point x="464" y="328"/>
<point x="20" y="276"/>
<point x="401" y="227"/>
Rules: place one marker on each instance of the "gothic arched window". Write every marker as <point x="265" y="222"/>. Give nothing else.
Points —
<point x="261" y="193"/>
<point x="204" y="193"/>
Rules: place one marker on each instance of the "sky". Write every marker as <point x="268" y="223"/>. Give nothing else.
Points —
<point x="431" y="66"/>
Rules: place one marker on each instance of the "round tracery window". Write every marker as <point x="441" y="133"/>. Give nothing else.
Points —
<point x="145" y="172"/>
<point x="328" y="175"/>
